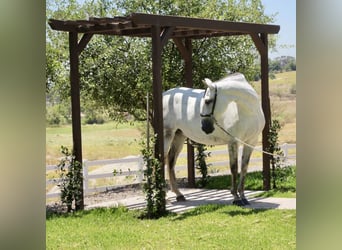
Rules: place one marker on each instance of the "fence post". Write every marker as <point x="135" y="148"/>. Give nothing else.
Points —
<point x="286" y="151"/>
<point x="85" y="177"/>
<point x="141" y="169"/>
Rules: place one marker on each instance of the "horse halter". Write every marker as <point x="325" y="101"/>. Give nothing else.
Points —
<point x="211" y="114"/>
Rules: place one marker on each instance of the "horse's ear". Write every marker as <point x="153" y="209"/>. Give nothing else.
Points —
<point x="208" y="82"/>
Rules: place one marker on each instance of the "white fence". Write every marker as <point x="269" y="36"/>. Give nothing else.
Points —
<point x="131" y="169"/>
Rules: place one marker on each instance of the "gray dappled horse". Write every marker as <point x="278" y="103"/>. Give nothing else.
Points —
<point x="228" y="109"/>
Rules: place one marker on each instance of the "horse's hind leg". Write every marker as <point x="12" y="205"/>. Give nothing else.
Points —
<point x="175" y="149"/>
<point x="233" y="162"/>
<point x="246" y="154"/>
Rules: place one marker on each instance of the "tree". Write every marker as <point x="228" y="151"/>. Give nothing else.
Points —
<point x="116" y="71"/>
<point x="274" y="66"/>
<point x="283" y="63"/>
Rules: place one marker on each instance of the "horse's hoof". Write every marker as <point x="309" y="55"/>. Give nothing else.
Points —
<point x="181" y="198"/>
<point x="238" y="203"/>
<point x="245" y="202"/>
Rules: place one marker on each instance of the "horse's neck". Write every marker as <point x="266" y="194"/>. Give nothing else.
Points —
<point x="245" y="99"/>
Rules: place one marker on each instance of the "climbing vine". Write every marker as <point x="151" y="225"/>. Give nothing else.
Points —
<point x="70" y="173"/>
<point x="279" y="172"/>
<point x="155" y="185"/>
<point x="201" y="164"/>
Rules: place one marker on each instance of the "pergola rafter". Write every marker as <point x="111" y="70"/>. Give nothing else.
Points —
<point x="162" y="28"/>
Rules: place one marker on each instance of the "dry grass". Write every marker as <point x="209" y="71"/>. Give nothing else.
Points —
<point x="104" y="141"/>
<point x="283" y="103"/>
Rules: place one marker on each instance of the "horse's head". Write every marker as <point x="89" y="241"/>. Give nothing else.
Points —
<point x="208" y="107"/>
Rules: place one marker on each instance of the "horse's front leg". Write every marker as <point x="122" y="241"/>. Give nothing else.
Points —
<point x="171" y="158"/>
<point x="233" y="162"/>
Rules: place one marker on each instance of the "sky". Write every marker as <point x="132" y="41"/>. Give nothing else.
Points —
<point x="286" y="18"/>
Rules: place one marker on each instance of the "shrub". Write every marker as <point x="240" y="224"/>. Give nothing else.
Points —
<point x="53" y="116"/>
<point x="293" y="89"/>
<point x="57" y="115"/>
<point x="94" y="119"/>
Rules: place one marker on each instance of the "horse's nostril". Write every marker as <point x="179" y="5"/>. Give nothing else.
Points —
<point x="207" y="126"/>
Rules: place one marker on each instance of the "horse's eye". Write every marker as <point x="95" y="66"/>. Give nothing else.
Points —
<point x="208" y="101"/>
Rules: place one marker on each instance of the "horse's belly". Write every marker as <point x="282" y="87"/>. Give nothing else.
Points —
<point x="211" y="140"/>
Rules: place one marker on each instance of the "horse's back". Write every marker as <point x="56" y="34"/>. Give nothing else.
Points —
<point x="183" y="91"/>
<point x="178" y="97"/>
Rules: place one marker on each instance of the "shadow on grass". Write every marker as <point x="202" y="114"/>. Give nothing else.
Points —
<point x="231" y="210"/>
<point x="254" y="181"/>
<point x="289" y="192"/>
<point x="61" y="213"/>
<point x="199" y="210"/>
<point x="244" y="212"/>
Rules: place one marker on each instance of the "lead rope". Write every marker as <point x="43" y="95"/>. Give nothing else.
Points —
<point x="245" y="143"/>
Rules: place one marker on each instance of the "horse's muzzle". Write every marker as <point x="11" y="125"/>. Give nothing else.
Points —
<point x="207" y="125"/>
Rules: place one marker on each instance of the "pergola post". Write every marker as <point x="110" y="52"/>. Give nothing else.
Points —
<point x="158" y="123"/>
<point x="267" y="112"/>
<point x="76" y="107"/>
<point x="189" y="84"/>
<point x="75" y="49"/>
<point x="261" y="42"/>
<point x="185" y="49"/>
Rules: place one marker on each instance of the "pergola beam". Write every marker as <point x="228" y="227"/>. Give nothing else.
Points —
<point x="201" y="23"/>
<point x="83" y="42"/>
<point x="165" y="35"/>
<point x="185" y="53"/>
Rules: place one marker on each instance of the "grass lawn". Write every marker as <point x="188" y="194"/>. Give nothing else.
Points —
<point x="205" y="227"/>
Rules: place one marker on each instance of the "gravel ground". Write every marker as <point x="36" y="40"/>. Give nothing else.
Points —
<point x="116" y="194"/>
<point x="110" y="195"/>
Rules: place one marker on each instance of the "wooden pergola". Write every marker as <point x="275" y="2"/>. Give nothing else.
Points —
<point x="161" y="29"/>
